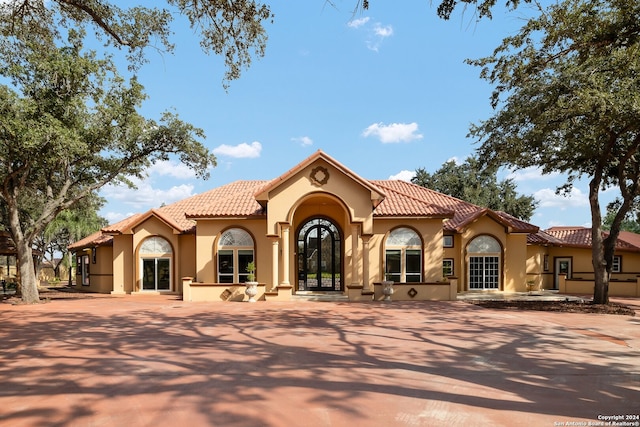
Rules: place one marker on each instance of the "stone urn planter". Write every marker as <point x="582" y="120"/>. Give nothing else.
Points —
<point x="251" y="290"/>
<point x="251" y="286"/>
<point x="387" y="290"/>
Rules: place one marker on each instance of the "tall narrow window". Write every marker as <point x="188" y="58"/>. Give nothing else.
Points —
<point x="84" y="259"/>
<point x="155" y="264"/>
<point x="235" y="252"/>
<point x="403" y="256"/>
<point x="616" y="267"/>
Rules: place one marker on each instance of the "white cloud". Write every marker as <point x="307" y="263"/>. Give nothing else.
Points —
<point x="404" y="175"/>
<point x="530" y="174"/>
<point x="455" y="160"/>
<point x="357" y="23"/>
<point x="394" y="132"/>
<point x="383" y="31"/>
<point x="172" y="169"/>
<point x="239" y="151"/>
<point x="145" y="196"/>
<point x="305" y="141"/>
<point x="549" y="199"/>
<point x="375" y="31"/>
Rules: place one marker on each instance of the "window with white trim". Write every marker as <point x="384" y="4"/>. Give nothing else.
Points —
<point x="235" y="252"/>
<point x="447" y="267"/>
<point x="403" y="256"/>
<point x="447" y="241"/>
<point x="616" y="266"/>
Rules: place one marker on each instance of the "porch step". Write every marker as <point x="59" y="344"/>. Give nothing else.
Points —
<point x="320" y="296"/>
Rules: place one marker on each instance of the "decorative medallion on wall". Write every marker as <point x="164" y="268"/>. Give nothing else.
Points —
<point x="319" y="176"/>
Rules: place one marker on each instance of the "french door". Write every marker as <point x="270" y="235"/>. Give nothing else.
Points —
<point x="156" y="274"/>
<point x="319" y="256"/>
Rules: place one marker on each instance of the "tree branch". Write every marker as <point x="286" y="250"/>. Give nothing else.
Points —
<point x="97" y="18"/>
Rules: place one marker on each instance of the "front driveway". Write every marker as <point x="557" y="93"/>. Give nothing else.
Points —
<point x="159" y="361"/>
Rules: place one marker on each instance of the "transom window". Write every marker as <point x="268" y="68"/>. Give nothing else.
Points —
<point x="235" y="252"/>
<point x="403" y="256"/>
<point x="155" y="245"/>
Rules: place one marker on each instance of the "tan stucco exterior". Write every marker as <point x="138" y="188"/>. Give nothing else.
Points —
<point x="325" y="192"/>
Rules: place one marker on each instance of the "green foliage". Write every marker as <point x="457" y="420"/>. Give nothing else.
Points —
<point x="631" y="221"/>
<point x="567" y="99"/>
<point x="446" y="7"/>
<point x="234" y="30"/>
<point x="68" y="126"/>
<point x="477" y="184"/>
<point x="251" y="269"/>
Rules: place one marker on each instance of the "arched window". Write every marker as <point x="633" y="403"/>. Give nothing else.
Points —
<point x="403" y="256"/>
<point x="235" y="252"/>
<point x="155" y="264"/>
<point x="484" y="263"/>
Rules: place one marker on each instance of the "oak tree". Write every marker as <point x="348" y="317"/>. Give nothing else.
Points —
<point x="567" y="99"/>
<point x="471" y="181"/>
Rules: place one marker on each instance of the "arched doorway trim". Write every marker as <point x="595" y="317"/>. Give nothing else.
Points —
<point x="320" y="254"/>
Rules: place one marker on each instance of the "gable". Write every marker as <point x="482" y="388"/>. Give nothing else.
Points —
<point x="319" y="177"/>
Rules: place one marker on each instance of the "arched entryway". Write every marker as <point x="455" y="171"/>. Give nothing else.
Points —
<point x="319" y="256"/>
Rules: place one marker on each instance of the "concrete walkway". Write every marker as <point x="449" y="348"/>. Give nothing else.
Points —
<point x="158" y="361"/>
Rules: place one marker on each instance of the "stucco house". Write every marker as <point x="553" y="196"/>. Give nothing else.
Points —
<point x="560" y="258"/>
<point x="321" y="228"/>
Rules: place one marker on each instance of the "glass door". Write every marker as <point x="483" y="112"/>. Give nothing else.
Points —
<point x="319" y="256"/>
<point x="156" y="274"/>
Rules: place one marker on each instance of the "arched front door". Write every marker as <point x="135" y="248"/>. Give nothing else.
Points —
<point x="319" y="256"/>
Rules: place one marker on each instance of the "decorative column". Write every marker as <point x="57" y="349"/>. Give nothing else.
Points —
<point x="275" y="253"/>
<point x="366" y="286"/>
<point x="285" y="254"/>
<point x="354" y="255"/>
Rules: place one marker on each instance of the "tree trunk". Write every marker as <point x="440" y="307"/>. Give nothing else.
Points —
<point x="28" y="281"/>
<point x="600" y="271"/>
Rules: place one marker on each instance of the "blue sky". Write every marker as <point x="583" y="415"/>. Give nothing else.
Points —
<point x="384" y="92"/>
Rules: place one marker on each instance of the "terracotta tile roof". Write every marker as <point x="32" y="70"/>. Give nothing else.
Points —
<point x="7" y="246"/>
<point x="543" y="238"/>
<point x="406" y="199"/>
<point x="516" y="224"/>
<point x="120" y="226"/>
<point x="96" y="239"/>
<point x="580" y="237"/>
<point x="232" y="200"/>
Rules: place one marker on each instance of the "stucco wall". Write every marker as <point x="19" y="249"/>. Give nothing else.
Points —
<point x="284" y="199"/>
<point x="208" y="231"/>
<point x="430" y="230"/>
<point x="123" y="263"/>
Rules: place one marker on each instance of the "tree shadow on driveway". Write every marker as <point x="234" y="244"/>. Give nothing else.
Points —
<point x="128" y="361"/>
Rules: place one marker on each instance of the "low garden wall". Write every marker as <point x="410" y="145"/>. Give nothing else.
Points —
<point x="196" y="291"/>
<point x="617" y="288"/>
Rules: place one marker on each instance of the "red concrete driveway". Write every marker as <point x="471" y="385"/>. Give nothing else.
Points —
<point x="158" y="361"/>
